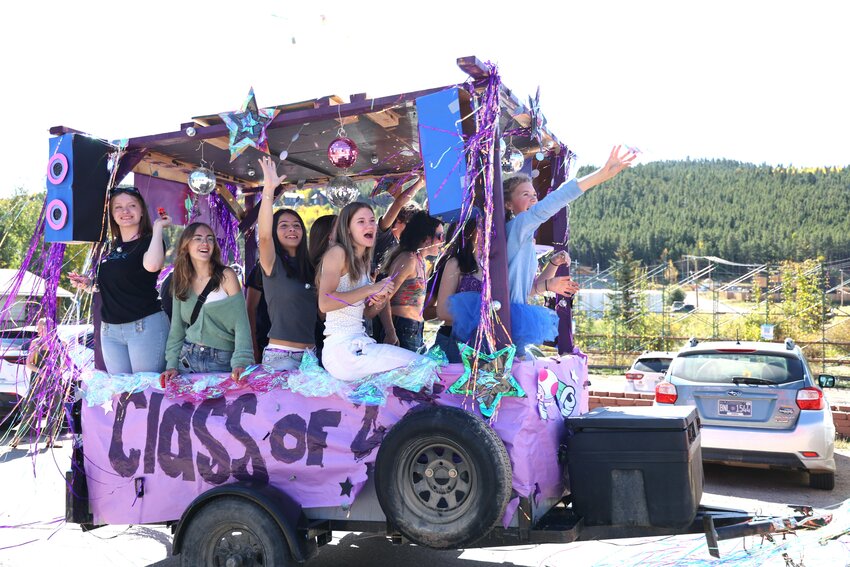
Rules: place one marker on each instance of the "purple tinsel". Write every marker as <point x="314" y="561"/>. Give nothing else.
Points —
<point x="225" y="226"/>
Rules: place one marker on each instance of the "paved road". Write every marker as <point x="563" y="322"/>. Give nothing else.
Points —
<point x="33" y="531"/>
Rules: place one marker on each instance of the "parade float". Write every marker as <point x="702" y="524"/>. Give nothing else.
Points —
<point x="499" y="450"/>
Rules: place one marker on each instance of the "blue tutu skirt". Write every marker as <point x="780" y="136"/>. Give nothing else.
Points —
<point x="530" y="324"/>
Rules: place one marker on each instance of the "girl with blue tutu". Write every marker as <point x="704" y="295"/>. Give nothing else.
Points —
<point x="533" y="324"/>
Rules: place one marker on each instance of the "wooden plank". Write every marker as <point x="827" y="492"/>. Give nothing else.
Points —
<point x="283" y="120"/>
<point x="231" y="202"/>
<point x="160" y="165"/>
<point x="473" y="67"/>
<point x="385" y="119"/>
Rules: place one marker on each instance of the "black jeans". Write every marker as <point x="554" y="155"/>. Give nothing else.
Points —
<point x="409" y="333"/>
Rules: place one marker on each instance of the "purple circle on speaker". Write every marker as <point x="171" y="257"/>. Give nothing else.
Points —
<point x="57" y="168"/>
<point x="57" y="214"/>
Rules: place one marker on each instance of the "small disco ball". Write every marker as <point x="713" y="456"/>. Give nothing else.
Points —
<point x="202" y="181"/>
<point x="342" y="152"/>
<point x="513" y="161"/>
<point x="341" y="191"/>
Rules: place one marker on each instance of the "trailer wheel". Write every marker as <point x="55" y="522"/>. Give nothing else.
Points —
<point x="443" y="477"/>
<point x="230" y="531"/>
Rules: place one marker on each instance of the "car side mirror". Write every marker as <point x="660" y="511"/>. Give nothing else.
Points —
<point x="826" y="381"/>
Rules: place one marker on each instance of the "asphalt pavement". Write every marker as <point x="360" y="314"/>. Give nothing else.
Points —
<point x="33" y="530"/>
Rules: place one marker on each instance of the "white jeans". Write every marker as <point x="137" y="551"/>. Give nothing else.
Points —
<point x="355" y="356"/>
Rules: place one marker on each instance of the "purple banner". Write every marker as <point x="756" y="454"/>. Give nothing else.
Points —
<point x="311" y="448"/>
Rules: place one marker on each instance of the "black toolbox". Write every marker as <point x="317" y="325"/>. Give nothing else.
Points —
<point x="635" y="466"/>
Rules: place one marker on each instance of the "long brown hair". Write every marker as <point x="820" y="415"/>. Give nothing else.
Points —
<point x="145" y="224"/>
<point x="184" y="271"/>
<point x="356" y="266"/>
<point x="301" y="268"/>
<point x="319" y="240"/>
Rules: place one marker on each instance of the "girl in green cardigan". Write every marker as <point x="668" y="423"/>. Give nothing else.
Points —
<point x="214" y="336"/>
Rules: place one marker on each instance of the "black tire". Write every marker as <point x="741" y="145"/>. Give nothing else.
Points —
<point x="822" y="481"/>
<point x="443" y="477"/>
<point x="232" y="527"/>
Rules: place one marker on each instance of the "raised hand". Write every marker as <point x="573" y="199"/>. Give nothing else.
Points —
<point x="270" y="177"/>
<point x="617" y="162"/>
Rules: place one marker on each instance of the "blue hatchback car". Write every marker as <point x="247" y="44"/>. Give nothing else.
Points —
<point x="759" y="404"/>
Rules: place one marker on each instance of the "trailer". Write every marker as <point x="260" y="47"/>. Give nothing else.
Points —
<point x="264" y="471"/>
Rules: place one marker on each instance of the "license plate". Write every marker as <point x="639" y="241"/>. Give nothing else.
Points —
<point x="735" y="408"/>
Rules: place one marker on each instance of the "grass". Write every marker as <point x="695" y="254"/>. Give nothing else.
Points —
<point x="842" y="443"/>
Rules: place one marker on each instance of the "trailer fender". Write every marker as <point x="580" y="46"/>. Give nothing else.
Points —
<point x="279" y="505"/>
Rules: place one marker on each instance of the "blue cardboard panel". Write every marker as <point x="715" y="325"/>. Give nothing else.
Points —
<point x="60" y="197"/>
<point x="77" y="179"/>
<point x="441" y="146"/>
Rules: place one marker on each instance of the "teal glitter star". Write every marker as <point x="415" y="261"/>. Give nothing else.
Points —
<point x="493" y="379"/>
<point x="248" y="126"/>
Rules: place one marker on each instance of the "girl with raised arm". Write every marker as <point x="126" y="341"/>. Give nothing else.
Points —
<point x="288" y="278"/>
<point x="133" y="328"/>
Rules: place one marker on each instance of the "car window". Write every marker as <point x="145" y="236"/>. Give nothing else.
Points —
<point x="15" y="340"/>
<point x="740" y="367"/>
<point x="652" y="364"/>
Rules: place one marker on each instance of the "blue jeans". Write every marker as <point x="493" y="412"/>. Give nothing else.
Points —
<point x="448" y="345"/>
<point x="138" y="346"/>
<point x="280" y="359"/>
<point x="197" y="358"/>
<point x="409" y="333"/>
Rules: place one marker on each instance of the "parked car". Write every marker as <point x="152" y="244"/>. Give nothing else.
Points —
<point x="14" y="347"/>
<point x="760" y="406"/>
<point x="14" y="381"/>
<point x="683" y="307"/>
<point x="648" y="370"/>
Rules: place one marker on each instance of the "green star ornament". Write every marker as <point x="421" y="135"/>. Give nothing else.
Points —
<point x="493" y="379"/>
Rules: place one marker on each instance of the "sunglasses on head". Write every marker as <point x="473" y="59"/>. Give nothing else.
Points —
<point x="128" y="190"/>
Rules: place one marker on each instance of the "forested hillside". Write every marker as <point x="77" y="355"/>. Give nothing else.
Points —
<point x="738" y="211"/>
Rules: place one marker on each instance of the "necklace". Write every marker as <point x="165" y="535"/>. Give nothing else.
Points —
<point x="135" y="240"/>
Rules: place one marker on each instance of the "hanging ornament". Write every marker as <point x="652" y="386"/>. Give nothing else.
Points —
<point x="493" y="379"/>
<point x="538" y="121"/>
<point x="283" y="155"/>
<point x="503" y="147"/>
<point x="342" y="191"/>
<point x="513" y="160"/>
<point x="248" y="126"/>
<point x="202" y="181"/>
<point x="342" y="152"/>
<point x="190" y="131"/>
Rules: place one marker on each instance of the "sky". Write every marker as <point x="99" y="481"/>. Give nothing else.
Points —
<point x="759" y="82"/>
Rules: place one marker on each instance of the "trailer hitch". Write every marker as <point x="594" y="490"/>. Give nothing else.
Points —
<point x="766" y="526"/>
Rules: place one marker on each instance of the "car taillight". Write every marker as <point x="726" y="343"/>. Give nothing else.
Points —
<point x="634" y="375"/>
<point x="810" y="399"/>
<point x="665" y="393"/>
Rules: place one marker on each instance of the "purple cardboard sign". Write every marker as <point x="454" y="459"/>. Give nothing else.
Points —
<point x="311" y="448"/>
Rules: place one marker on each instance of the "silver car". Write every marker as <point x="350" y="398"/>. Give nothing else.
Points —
<point x="760" y="406"/>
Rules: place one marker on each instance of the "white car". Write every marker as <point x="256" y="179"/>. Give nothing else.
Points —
<point x="760" y="406"/>
<point x="14" y="347"/>
<point x="647" y="371"/>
